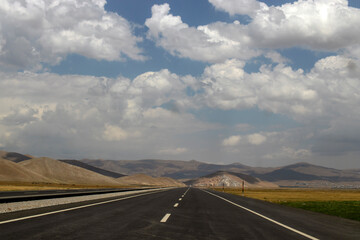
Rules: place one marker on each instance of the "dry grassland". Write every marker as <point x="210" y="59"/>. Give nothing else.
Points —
<point x="295" y="195"/>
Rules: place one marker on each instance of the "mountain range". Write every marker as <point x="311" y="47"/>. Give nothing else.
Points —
<point x="295" y="175"/>
<point x="156" y="172"/>
<point x="19" y="168"/>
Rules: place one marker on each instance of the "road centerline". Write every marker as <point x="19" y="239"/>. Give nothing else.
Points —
<point x="165" y="218"/>
<point x="267" y="218"/>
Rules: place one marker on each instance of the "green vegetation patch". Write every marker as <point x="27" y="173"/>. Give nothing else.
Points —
<point x="344" y="209"/>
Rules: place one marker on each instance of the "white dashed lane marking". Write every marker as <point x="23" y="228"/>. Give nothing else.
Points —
<point x="165" y="218"/>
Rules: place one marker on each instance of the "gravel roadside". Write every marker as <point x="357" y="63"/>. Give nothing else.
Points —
<point x="26" y="205"/>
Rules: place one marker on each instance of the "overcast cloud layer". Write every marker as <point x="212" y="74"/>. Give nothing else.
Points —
<point x="154" y="114"/>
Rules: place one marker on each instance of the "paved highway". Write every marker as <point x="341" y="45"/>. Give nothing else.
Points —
<point x="182" y="213"/>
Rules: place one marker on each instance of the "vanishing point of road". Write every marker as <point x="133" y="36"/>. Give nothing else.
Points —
<point x="180" y="213"/>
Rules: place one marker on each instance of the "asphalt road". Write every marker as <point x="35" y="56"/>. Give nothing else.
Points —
<point x="170" y="214"/>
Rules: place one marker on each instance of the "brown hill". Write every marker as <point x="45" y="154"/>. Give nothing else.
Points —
<point x="309" y="172"/>
<point x="94" y="169"/>
<point x="13" y="172"/>
<point x="13" y="156"/>
<point x="65" y="173"/>
<point x="229" y="179"/>
<point x="145" y="180"/>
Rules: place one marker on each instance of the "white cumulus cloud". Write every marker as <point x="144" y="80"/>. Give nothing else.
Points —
<point x="318" y="25"/>
<point x="247" y="7"/>
<point x="36" y="32"/>
<point x="204" y="43"/>
<point x="256" y="138"/>
<point x="231" y="141"/>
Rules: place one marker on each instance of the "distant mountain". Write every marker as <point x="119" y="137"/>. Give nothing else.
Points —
<point x="145" y="180"/>
<point x="13" y="156"/>
<point x="309" y="172"/>
<point x="230" y="179"/>
<point x="94" y="169"/>
<point x="152" y="167"/>
<point x="294" y="175"/>
<point x="167" y="168"/>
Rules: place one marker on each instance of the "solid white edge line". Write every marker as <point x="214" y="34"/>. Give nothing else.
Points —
<point x="165" y="218"/>
<point x="176" y="204"/>
<point x="79" y="207"/>
<point x="269" y="219"/>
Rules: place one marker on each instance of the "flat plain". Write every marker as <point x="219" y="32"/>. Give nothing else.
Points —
<point x="343" y="203"/>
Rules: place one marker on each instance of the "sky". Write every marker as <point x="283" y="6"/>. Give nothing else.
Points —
<point x="263" y="83"/>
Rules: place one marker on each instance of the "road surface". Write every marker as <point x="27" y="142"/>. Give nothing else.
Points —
<point x="181" y="213"/>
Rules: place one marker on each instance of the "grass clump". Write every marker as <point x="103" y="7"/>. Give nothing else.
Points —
<point x="344" y="209"/>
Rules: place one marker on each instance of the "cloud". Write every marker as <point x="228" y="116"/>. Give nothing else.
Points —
<point x="173" y="151"/>
<point x="276" y="57"/>
<point x="247" y="7"/>
<point x="157" y="88"/>
<point x="153" y="111"/>
<point x="317" y="25"/>
<point x="312" y="24"/>
<point x="289" y="153"/>
<point x="256" y="139"/>
<point x="68" y="115"/>
<point x="243" y="127"/>
<point x="36" y="32"/>
<point x="114" y="133"/>
<point x="20" y="116"/>
<point x="279" y="90"/>
<point x="204" y="43"/>
<point x="326" y="91"/>
<point x="325" y="100"/>
<point x="231" y="141"/>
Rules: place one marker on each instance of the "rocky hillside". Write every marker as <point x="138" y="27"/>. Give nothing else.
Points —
<point x="230" y="179"/>
<point x="145" y="180"/>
